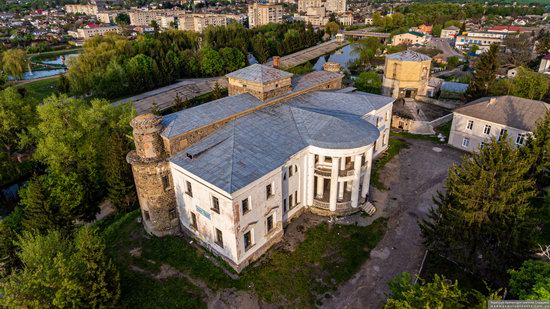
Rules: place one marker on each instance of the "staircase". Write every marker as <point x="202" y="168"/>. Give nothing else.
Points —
<point x="368" y="208"/>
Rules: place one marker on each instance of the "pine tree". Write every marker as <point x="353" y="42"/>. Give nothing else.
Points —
<point x="41" y="213"/>
<point x="120" y="184"/>
<point x="484" y="220"/>
<point x="538" y="151"/>
<point x="484" y="73"/>
<point x="101" y="278"/>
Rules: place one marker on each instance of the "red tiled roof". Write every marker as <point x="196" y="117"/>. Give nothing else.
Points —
<point x="509" y="28"/>
<point x="92" y="25"/>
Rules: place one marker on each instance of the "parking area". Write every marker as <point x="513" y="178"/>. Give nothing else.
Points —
<point x="412" y="178"/>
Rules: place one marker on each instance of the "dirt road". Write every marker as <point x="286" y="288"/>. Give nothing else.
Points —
<point x="412" y="177"/>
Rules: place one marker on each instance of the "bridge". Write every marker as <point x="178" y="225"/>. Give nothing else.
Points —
<point x="308" y="54"/>
<point x="366" y="34"/>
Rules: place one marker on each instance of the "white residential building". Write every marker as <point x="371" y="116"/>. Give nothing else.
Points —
<point x="409" y="38"/>
<point x="233" y="172"/>
<point x="87" y="33"/>
<point x="475" y="123"/>
<point x="335" y="6"/>
<point x="199" y="22"/>
<point x="450" y="32"/>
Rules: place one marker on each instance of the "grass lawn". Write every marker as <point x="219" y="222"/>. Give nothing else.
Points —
<point x="329" y="256"/>
<point x="394" y="147"/>
<point x="41" y="89"/>
<point x="444" y="129"/>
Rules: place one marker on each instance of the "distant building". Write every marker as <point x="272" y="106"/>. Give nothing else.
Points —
<point x="87" y="9"/>
<point x="199" y="22"/>
<point x="507" y="29"/>
<point x="369" y="20"/>
<point x="318" y="17"/>
<point x="450" y="32"/>
<point x="406" y="74"/>
<point x="263" y="14"/>
<point x="425" y="28"/>
<point x="333" y="6"/>
<point x="87" y="33"/>
<point x="143" y="18"/>
<point x="544" y="66"/>
<point x="232" y="173"/>
<point x="483" y="39"/>
<point x="409" y="38"/>
<point x="475" y="123"/>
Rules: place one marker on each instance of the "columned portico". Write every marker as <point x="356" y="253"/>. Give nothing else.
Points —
<point x="340" y="177"/>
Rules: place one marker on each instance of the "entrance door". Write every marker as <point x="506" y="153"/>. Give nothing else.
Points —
<point x="407" y="93"/>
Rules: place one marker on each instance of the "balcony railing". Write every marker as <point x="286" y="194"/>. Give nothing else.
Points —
<point x="326" y="171"/>
<point x="326" y="205"/>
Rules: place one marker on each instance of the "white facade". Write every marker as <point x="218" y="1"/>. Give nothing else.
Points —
<point x="408" y="38"/>
<point x="449" y="32"/>
<point x="263" y="14"/>
<point x="313" y="177"/>
<point x="336" y="6"/>
<point x="87" y="33"/>
<point x="469" y="133"/>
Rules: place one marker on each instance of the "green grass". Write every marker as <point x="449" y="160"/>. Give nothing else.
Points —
<point x="52" y="54"/>
<point x="394" y="147"/>
<point x="41" y="89"/>
<point x="141" y="290"/>
<point x="444" y="129"/>
<point x="330" y="255"/>
<point x="421" y="137"/>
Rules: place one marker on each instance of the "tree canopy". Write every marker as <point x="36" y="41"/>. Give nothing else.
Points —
<point x="531" y="281"/>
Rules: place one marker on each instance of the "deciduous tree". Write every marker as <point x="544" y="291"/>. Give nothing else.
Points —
<point x="531" y="281"/>
<point x="14" y="62"/>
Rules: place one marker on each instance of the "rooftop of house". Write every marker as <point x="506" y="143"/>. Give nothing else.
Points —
<point x="251" y="146"/>
<point x="408" y="55"/>
<point x="204" y="114"/>
<point x="454" y="87"/>
<point x="259" y="73"/>
<point x="452" y="28"/>
<point x="508" y="110"/>
<point x="508" y="28"/>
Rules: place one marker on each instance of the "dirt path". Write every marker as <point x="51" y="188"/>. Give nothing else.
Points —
<point x="412" y="177"/>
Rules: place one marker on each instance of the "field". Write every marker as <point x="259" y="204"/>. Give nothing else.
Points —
<point x="42" y="88"/>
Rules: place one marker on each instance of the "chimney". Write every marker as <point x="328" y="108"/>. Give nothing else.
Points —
<point x="332" y="67"/>
<point x="276" y="62"/>
<point x="492" y="100"/>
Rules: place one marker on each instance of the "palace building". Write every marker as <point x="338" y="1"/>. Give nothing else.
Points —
<point x="233" y="172"/>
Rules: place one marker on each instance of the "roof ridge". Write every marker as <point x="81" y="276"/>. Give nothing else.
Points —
<point x="291" y="108"/>
<point x="232" y="156"/>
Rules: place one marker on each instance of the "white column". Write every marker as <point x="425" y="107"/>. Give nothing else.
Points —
<point x="348" y="186"/>
<point x="342" y="163"/>
<point x="341" y="185"/>
<point x="310" y="179"/>
<point x="321" y="159"/>
<point x="320" y="186"/>
<point x="356" y="180"/>
<point x="334" y="183"/>
<point x="366" y="177"/>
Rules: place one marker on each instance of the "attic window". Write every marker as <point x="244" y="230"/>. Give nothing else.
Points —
<point x="190" y="156"/>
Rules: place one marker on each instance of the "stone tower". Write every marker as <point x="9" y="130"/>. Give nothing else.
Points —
<point x="152" y="177"/>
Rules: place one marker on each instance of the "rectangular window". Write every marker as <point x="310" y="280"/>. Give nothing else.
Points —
<point x="194" y="221"/>
<point x="470" y="125"/>
<point x="290" y="171"/>
<point x="215" y="205"/>
<point x="219" y="238"/>
<point x="290" y="201"/>
<point x="189" y="189"/>
<point x="269" y="223"/>
<point x="245" y="206"/>
<point x="146" y="215"/>
<point x="465" y="142"/>
<point x="172" y="214"/>
<point x="165" y="183"/>
<point x="487" y="129"/>
<point x="247" y="240"/>
<point x="285" y="206"/>
<point x="502" y="133"/>
<point x="520" y="139"/>
<point x="481" y="145"/>
<point x="295" y="198"/>
<point x="268" y="191"/>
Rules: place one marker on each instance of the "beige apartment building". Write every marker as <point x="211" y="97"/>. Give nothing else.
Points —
<point x="199" y="22"/>
<point x="409" y="38"/>
<point x="475" y="123"/>
<point x="335" y="6"/>
<point x="87" y="33"/>
<point x="406" y="74"/>
<point x="263" y="14"/>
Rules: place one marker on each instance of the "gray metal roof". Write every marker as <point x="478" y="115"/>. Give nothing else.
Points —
<point x="259" y="73"/>
<point x="196" y="117"/>
<point x="454" y="87"/>
<point x="508" y="110"/>
<point x="408" y="55"/>
<point x="249" y="147"/>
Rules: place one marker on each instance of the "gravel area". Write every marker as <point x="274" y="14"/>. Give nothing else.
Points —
<point x="412" y="177"/>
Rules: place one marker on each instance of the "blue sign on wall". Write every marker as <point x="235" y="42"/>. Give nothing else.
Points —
<point x="203" y="212"/>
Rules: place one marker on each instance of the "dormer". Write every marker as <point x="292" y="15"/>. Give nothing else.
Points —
<point x="261" y="81"/>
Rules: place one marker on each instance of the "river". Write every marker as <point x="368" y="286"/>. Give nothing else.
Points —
<point x="344" y="56"/>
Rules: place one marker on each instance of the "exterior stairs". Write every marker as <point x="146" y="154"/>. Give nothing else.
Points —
<point x="368" y="208"/>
